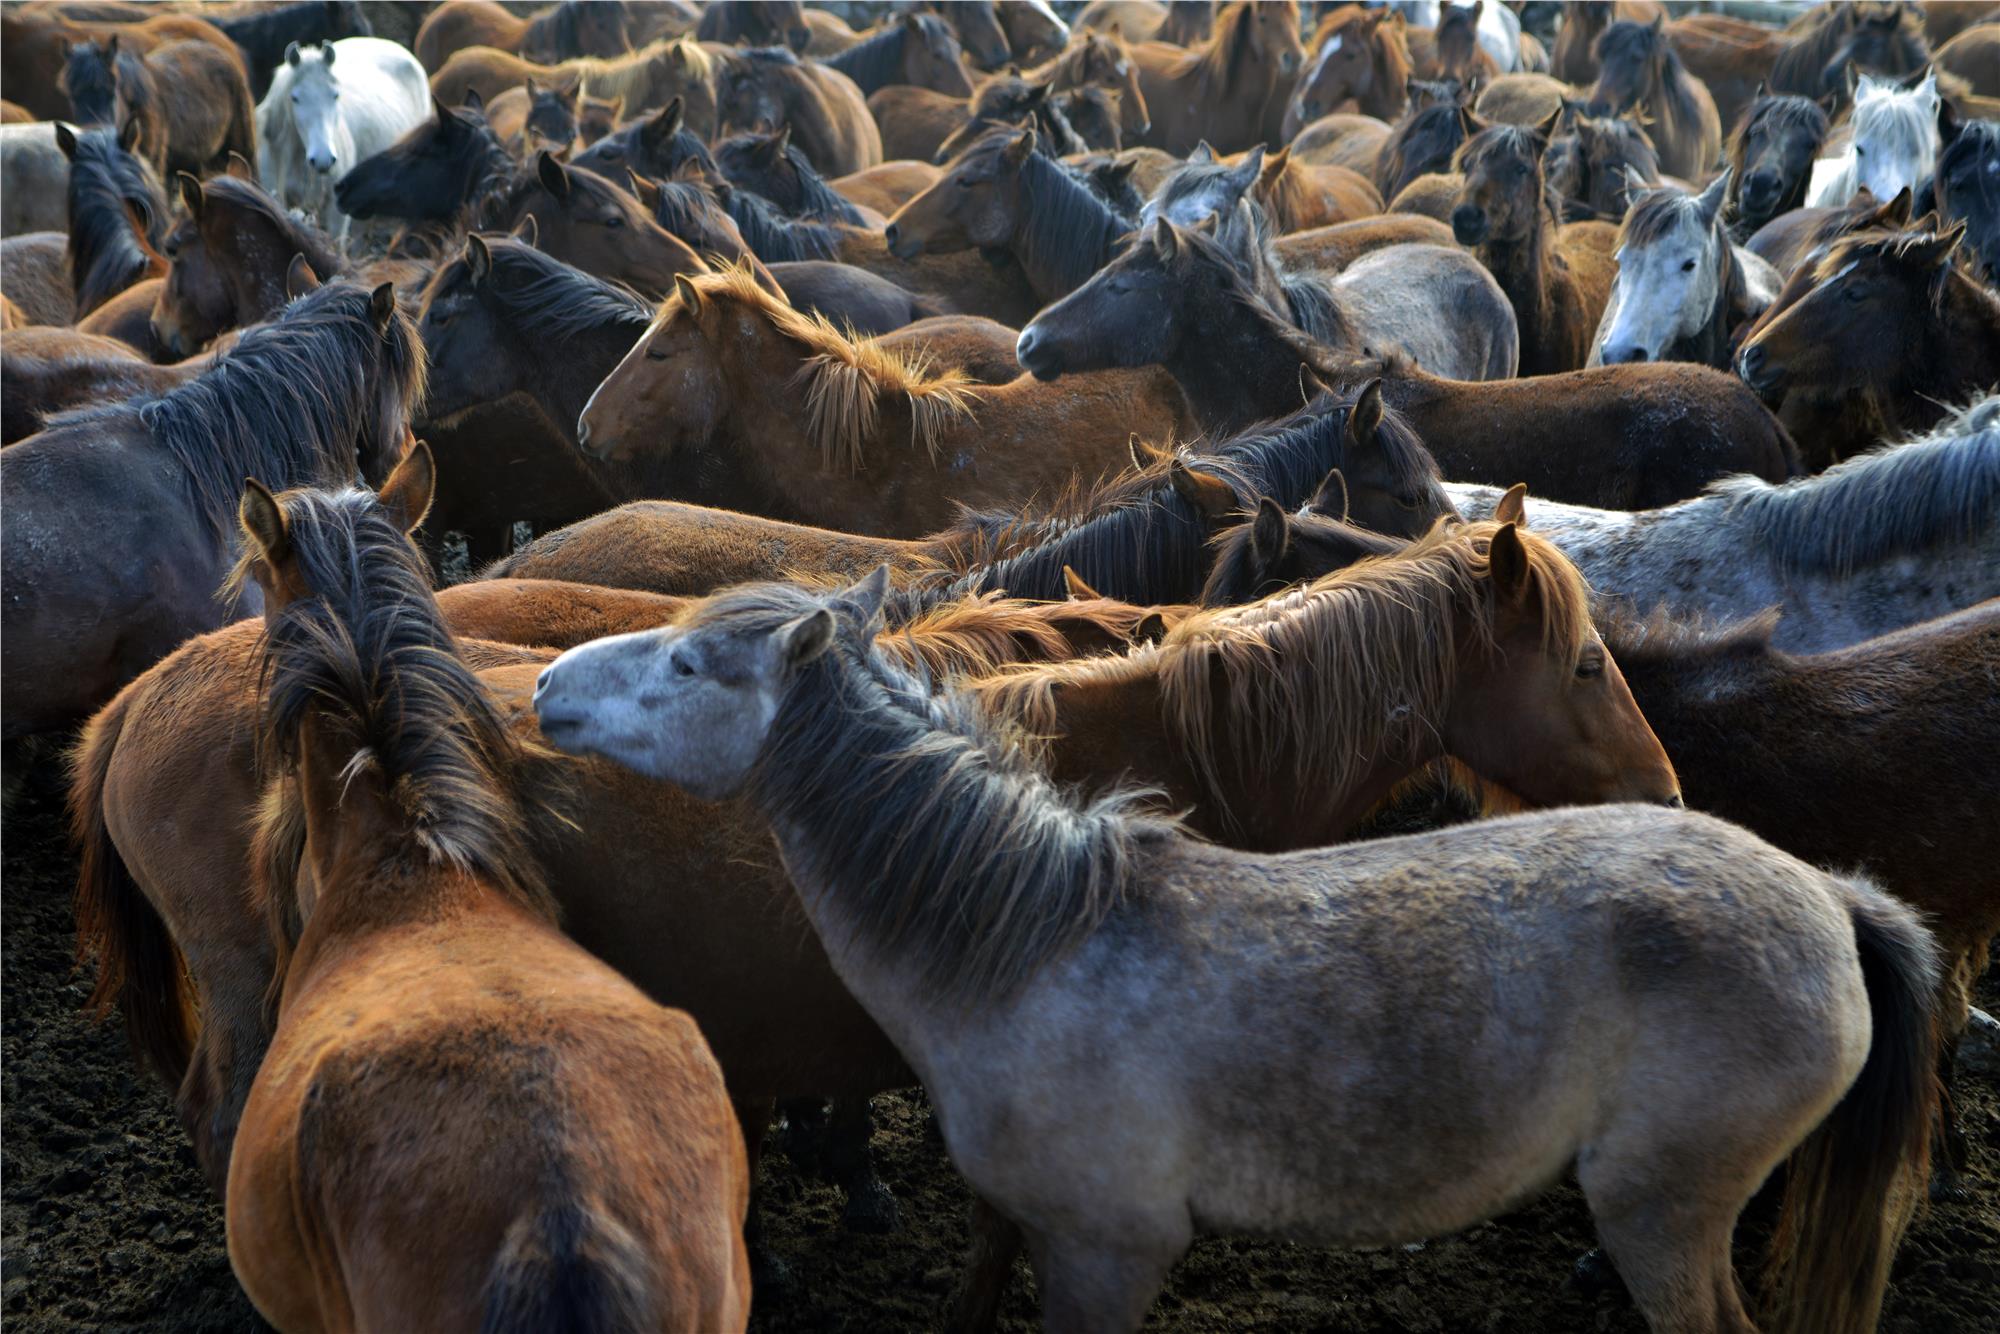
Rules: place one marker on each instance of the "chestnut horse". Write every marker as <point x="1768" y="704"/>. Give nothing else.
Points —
<point x="301" y="399"/>
<point x="1232" y="88"/>
<point x="1557" y="277"/>
<point x="426" y="988"/>
<point x="767" y="87"/>
<point x="583" y="219"/>
<point x="1637" y="66"/>
<point x="1573" y="58"/>
<point x="601" y="28"/>
<point x="1816" y="356"/>
<point x="1621" y="437"/>
<point x="689" y="413"/>
<point x="190" y="100"/>
<point x="1022" y="906"/>
<point x="1356" y="55"/>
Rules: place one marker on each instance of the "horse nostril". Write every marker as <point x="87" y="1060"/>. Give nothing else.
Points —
<point x="582" y="431"/>
<point x="1634" y="354"/>
<point x="1674" y="803"/>
<point x="892" y="234"/>
<point x="542" y="682"/>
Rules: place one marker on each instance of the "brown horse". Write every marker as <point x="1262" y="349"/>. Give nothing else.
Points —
<point x="917" y="49"/>
<point x="644" y="80"/>
<point x="301" y="399"/>
<point x="1098" y="60"/>
<point x="1557" y="279"/>
<point x="34" y="275"/>
<point x="1771" y="154"/>
<point x="560" y="32"/>
<point x="35" y="45"/>
<point x="1638" y="67"/>
<point x="1427" y="137"/>
<point x="1232" y="88"/>
<point x="528" y="119"/>
<point x="228" y="262"/>
<point x="768" y="87"/>
<point x="755" y="23"/>
<point x="45" y="370"/>
<point x="190" y="100"/>
<point x="888" y="187"/>
<point x="426" y="988"/>
<point x="703" y="426"/>
<point x="1789" y="240"/>
<point x="1457" y="53"/>
<point x="1594" y="163"/>
<point x="1343" y="139"/>
<point x="1817" y="355"/>
<point x="117" y="215"/>
<point x="1620" y="432"/>
<point x="585" y="220"/>
<point x="1573" y="59"/>
<point x="1356" y="55"/>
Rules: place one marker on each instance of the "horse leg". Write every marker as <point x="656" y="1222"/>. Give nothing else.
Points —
<point x="870" y="1206"/>
<point x="1668" y="1231"/>
<point x="1948" y="1165"/>
<point x="1090" y="1285"/>
<point x="995" y="1242"/>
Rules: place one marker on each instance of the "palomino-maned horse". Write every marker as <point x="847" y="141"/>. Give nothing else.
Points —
<point x="446" y="169"/>
<point x="1598" y="437"/>
<point x="1892" y="143"/>
<point x="1356" y="55"/>
<point x="1902" y="534"/>
<point x="1816" y="356"/>
<point x="1682" y="288"/>
<point x="920" y="50"/>
<point x="1557" y="276"/>
<point x="1022" y="905"/>
<point x="1231" y="89"/>
<point x="1771" y="157"/>
<point x="189" y="99"/>
<point x="560" y="32"/>
<point x="299" y="400"/>
<point x="464" y="1120"/>
<point x="644" y="80"/>
<point x="884" y="446"/>
<point x="767" y="87"/>
<point x="1637" y="66"/>
<point x="117" y="215"/>
<point x="231" y="256"/>
<point x="1965" y="192"/>
<point x="329" y="108"/>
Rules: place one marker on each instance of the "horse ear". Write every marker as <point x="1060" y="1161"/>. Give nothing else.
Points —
<point x="191" y="194"/>
<point x="1547" y="129"/>
<point x="1660" y="22"/>
<point x="781" y="140"/>
<point x="1709" y="201"/>
<point x="1202" y="153"/>
<point x="478" y="258"/>
<point x="292" y="53"/>
<point x="1507" y="565"/>
<point x="1897" y="211"/>
<point x="1829" y="102"/>
<point x="1151" y="629"/>
<point x="529" y="85"/>
<point x="411" y="484"/>
<point x="1763" y="91"/>
<point x="1144" y="453"/>
<point x="239" y="167"/>
<point x="649" y="192"/>
<point x="554" y="176"/>
<point x="440" y="111"/>
<point x="804" y="639"/>
<point x="867" y="596"/>
<point x="263" y="521"/>
<point x="66" y="140"/>
<point x="129" y="134"/>
<point x="1512" y="507"/>
<point x="1365" y="418"/>
<point x="1935" y="251"/>
<point x="913" y="23"/>
<point x="527" y="231"/>
<point x="382" y="306"/>
<point x="689" y="294"/>
<point x="1331" y="498"/>
<point x="1948" y="123"/>
<point x="1164" y="239"/>
<point x="1203" y="490"/>
<point x="327" y="52"/>
<point x="1270" y="533"/>
<point x="472" y="101"/>
<point x="668" y="122"/>
<point x="300" y="278"/>
<point x="1077" y="589"/>
<point x="1020" y="149"/>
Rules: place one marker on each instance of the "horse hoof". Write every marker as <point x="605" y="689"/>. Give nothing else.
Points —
<point x="871" y="1208"/>
<point x="1594" y="1272"/>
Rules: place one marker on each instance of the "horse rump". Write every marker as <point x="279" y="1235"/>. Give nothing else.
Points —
<point x="568" y="1269"/>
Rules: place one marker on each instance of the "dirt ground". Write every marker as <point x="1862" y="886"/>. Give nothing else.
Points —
<point x="105" y="1224"/>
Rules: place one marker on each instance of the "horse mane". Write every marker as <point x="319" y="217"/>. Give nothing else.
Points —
<point x="1901" y="499"/>
<point x="1213" y="63"/>
<point x="818" y="201"/>
<point x="1675" y="99"/>
<point x="1008" y="873"/>
<point x="1418" y="125"/>
<point x="1891" y="248"/>
<point x="1785" y="111"/>
<point x="550" y="300"/>
<point x="105" y="255"/>
<point x="1390" y="621"/>
<point x="484" y="168"/>
<point x="774" y="237"/>
<point x="844" y="379"/>
<point x="877" y="59"/>
<point x="1247" y="240"/>
<point x="628" y="76"/>
<point x="1069" y="230"/>
<point x="285" y="403"/>
<point x="295" y="234"/>
<point x="977" y="634"/>
<point x="1813" y="38"/>
<point x="1660" y="639"/>
<point x="369" y="649"/>
<point x="1658" y="214"/>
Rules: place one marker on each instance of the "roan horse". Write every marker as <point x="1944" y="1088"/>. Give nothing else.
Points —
<point x="297" y="400"/>
<point x="1021" y="910"/>
<point x="426" y="991"/>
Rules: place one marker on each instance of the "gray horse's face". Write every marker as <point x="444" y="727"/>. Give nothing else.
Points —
<point x="1203" y="188"/>
<point x="1668" y="281"/>
<point x="315" y="97"/>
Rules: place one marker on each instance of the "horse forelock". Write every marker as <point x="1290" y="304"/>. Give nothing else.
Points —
<point x="1659" y="214"/>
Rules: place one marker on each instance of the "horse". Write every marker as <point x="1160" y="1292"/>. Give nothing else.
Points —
<point x="297" y="400"/>
<point x="920" y="50"/>
<point x="766" y="87"/>
<point x="1962" y="186"/>
<point x="1770" y="157"/>
<point x="1098" y="60"/>
<point x="117" y="215"/>
<point x="585" y="220"/>
<point x="683" y="414"/>
<point x="1557" y="277"/>
<point x="262" y="35"/>
<point x="1893" y="142"/>
<point x="1573" y="58"/>
<point x="774" y="169"/>
<point x="1427" y="138"/>
<point x="1457" y="46"/>
<point x="1816" y="356"/>
<point x="644" y="80"/>
<point x="1682" y="288"/>
<point x="1276" y="549"/>
<point x="1231" y="89"/>
<point x="1789" y="240"/>
<point x="1638" y="66"/>
<point x="529" y="119"/>
<point x="1033" y="29"/>
<point x="1597" y="437"/>
<point x="1974" y="56"/>
<point x="451" y="168"/>
<point x="755" y="23"/>
<point x="229" y="261"/>
<point x="33" y="177"/>
<point x="189" y="99"/>
<point x="1884" y="540"/>
<point x="774" y="695"/>
<point x="34" y="275"/>
<point x="1595" y="163"/>
<point x="1359" y="56"/>
<point x="622" y="1182"/>
<point x="1295" y="196"/>
<point x="560" y="32"/>
<point x="329" y="108"/>
<point x="45" y="370"/>
<point x="977" y="23"/>
<point x="37" y="41"/>
<point x="1885" y="40"/>
<point x="1181" y="22"/>
<point x="925" y="126"/>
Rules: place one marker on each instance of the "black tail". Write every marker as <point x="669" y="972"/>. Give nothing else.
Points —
<point x="569" y="1270"/>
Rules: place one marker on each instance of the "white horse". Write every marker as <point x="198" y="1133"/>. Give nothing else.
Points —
<point x="1903" y="534"/>
<point x="1682" y="287"/>
<point x="330" y="107"/>
<point x="1893" y="145"/>
<point x="34" y="180"/>
<point x="1498" y="28"/>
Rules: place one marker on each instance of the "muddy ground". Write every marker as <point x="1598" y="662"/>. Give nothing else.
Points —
<point x="105" y="1224"/>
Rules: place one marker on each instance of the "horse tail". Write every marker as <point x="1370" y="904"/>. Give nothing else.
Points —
<point x="139" y="969"/>
<point x="566" y="1268"/>
<point x="1855" y="1182"/>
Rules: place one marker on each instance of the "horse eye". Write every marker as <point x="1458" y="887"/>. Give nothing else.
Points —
<point x="1687" y="266"/>
<point x="682" y="667"/>
<point x="614" y="221"/>
<point x="965" y="182"/>
<point x="1859" y="151"/>
<point x="654" y="354"/>
<point x="1589" y="668"/>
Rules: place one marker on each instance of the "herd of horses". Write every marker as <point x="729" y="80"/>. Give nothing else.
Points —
<point x="1025" y="514"/>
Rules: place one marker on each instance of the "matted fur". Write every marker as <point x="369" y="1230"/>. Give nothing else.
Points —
<point x="1390" y="621"/>
<point x="1032" y="875"/>
<point x="845" y="378"/>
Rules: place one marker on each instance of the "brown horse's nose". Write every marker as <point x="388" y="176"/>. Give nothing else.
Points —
<point x="1675" y="803"/>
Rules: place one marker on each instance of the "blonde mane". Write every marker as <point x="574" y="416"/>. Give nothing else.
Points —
<point x="630" y="76"/>
<point x="1332" y="673"/>
<point x="846" y="377"/>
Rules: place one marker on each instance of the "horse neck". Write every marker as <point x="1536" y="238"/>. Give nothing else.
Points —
<point x="1522" y="267"/>
<point x="1387" y="95"/>
<point x="1054" y="263"/>
<point x="1238" y="364"/>
<point x="769" y="444"/>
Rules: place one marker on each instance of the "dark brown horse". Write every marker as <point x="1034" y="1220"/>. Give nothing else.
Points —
<point x="190" y="100"/>
<point x="1875" y="342"/>
<point x="1427" y="137"/>
<point x="45" y="370"/>
<point x="1557" y="279"/>
<point x="298" y="400"/>
<point x="117" y="215"/>
<point x="920" y="50"/>
<point x="453" y="169"/>
<point x="228" y="261"/>
<point x="755" y="23"/>
<point x="1637" y="66"/>
<point x="1232" y="89"/>
<point x="35" y="45"/>
<point x="1573" y="58"/>
<point x="1771" y="156"/>
<point x="767" y="87"/>
<point x="1356" y="55"/>
<point x="528" y="119"/>
<point x="1594" y="162"/>
<point x="1963" y="188"/>
<point x="583" y="219"/>
<point x="1790" y="240"/>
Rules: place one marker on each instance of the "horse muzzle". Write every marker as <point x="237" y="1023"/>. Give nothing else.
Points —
<point x="1469" y="224"/>
<point x="1756" y="370"/>
<point x="901" y="244"/>
<point x="1036" y="356"/>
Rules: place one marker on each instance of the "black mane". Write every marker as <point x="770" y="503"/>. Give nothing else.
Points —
<point x="105" y="255"/>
